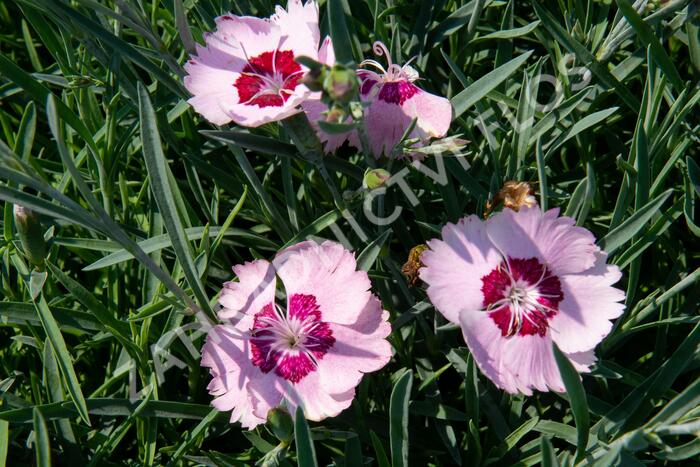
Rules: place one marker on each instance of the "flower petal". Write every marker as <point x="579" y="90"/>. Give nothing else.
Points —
<point x="255" y="288"/>
<point x="590" y="302"/>
<point x="296" y="16"/>
<point x="328" y="272"/>
<point x="358" y="349"/>
<point x="317" y="402"/>
<point x="516" y="364"/>
<point x="326" y="53"/>
<point x="254" y="115"/>
<point x="433" y="113"/>
<point x="386" y="123"/>
<point x="314" y="110"/>
<point x="564" y="247"/>
<point x="455" y="265"/>
<point x="244" y="36"/>
<point x="225" y="354"/>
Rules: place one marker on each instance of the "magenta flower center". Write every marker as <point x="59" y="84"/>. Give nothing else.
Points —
<point x="396" y="92"/>
<point x="520" y="296"/>
<point x="291" y="344"/>
<point x="268" y="79"/>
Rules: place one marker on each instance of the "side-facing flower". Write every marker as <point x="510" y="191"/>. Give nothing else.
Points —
<point x="519" y="282"/>
<point x="392" y="102"/>
<point x="395" y="101"/>
<point x="310" y="349"/>
<point x="246" y="71"/>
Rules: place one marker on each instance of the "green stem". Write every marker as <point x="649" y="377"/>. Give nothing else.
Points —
<point x="305" y="139"/>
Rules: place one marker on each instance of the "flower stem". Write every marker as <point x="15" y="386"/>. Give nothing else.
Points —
<point x="307" y="142"/>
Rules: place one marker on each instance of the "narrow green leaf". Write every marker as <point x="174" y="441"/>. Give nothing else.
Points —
<point x="633" y="225"/>
<point x="577" y="399"/>
<point x="258" y="143"/>
<point x="183" y="27"/>
<point x="588" y="60"/>
<point x="5" y="442"/>
<point x="510" y="33"/>
<point x="487" y="83"/>
<point x="162" y="192"/>
<point x="62" y="355"/>
<point x="340" y="34"/>
<point x="366" y="259"/>
<point x="42" y="447"/>
<point x="549" y="459"/>
<point x="306" y="454"/>
<point x="317" y="226"/>
<point x="382" y="459"/>
<point x="693" y="175"/>
<point x="398" y="419"/>
<point x="353" y="452"/>
<point x="160" y="242"/>
<point x="649" y="39"/>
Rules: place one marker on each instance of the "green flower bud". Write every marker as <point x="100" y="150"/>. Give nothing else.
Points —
<point x="31" y="234"/>
<point x="280" y="423"/>
<point x="341" y="84"/>
<point x="313" y="79"/>
<point x="375" y="178"/>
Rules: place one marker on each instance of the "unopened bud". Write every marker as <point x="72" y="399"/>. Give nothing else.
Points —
<point x="313" y="79"/>
<point x="375" y="178"/>
<point x="31" y="234"/>
<point x="280" y="423"/>
<point x="341" y="84"/>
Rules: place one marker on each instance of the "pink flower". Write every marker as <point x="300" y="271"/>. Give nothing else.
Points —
<point x="394" y="101"/>
<point x="246" y="72"/>
<point x="311" y="351"/>
<point x="517" y="283"/>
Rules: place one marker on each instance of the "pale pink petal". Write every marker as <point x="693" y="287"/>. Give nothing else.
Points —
<point x="244" y="36"/>
<point x="254" y="116"/>
<point x="299" y="27"/>
<point x="326" y="54"/>
<point x="564" y="247"/>
<point x="590" y="302"/>
<point x="225" y="353"/>
<point x="328" y="272"/>
<point x="455" y="265"/>
<point x="516" y="364"/>
<point x="359" y="348"/>
<point x="433" y="113"/>
<point x="386" y="123"/>
<point x="314" y="399"/>
<point x="241" y="300"/>
<point x="314" y="110"/>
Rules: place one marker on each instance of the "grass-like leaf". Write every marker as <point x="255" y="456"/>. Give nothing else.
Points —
<point x="577" y="399"/>
<point x="306" y="453"/>
<point x="398" y="419"/>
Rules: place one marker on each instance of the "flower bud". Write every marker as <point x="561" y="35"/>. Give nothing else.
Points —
<point x="281" y="424"/>
<point x="31" y="234"/>
<point x="313" y="79"/>
<point x="375" y="178"/>
<point x="341" y="84"/>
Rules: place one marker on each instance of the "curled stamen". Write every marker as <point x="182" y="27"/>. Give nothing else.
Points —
<point x="380" y="49"/>
<point x="373" y="63"/>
